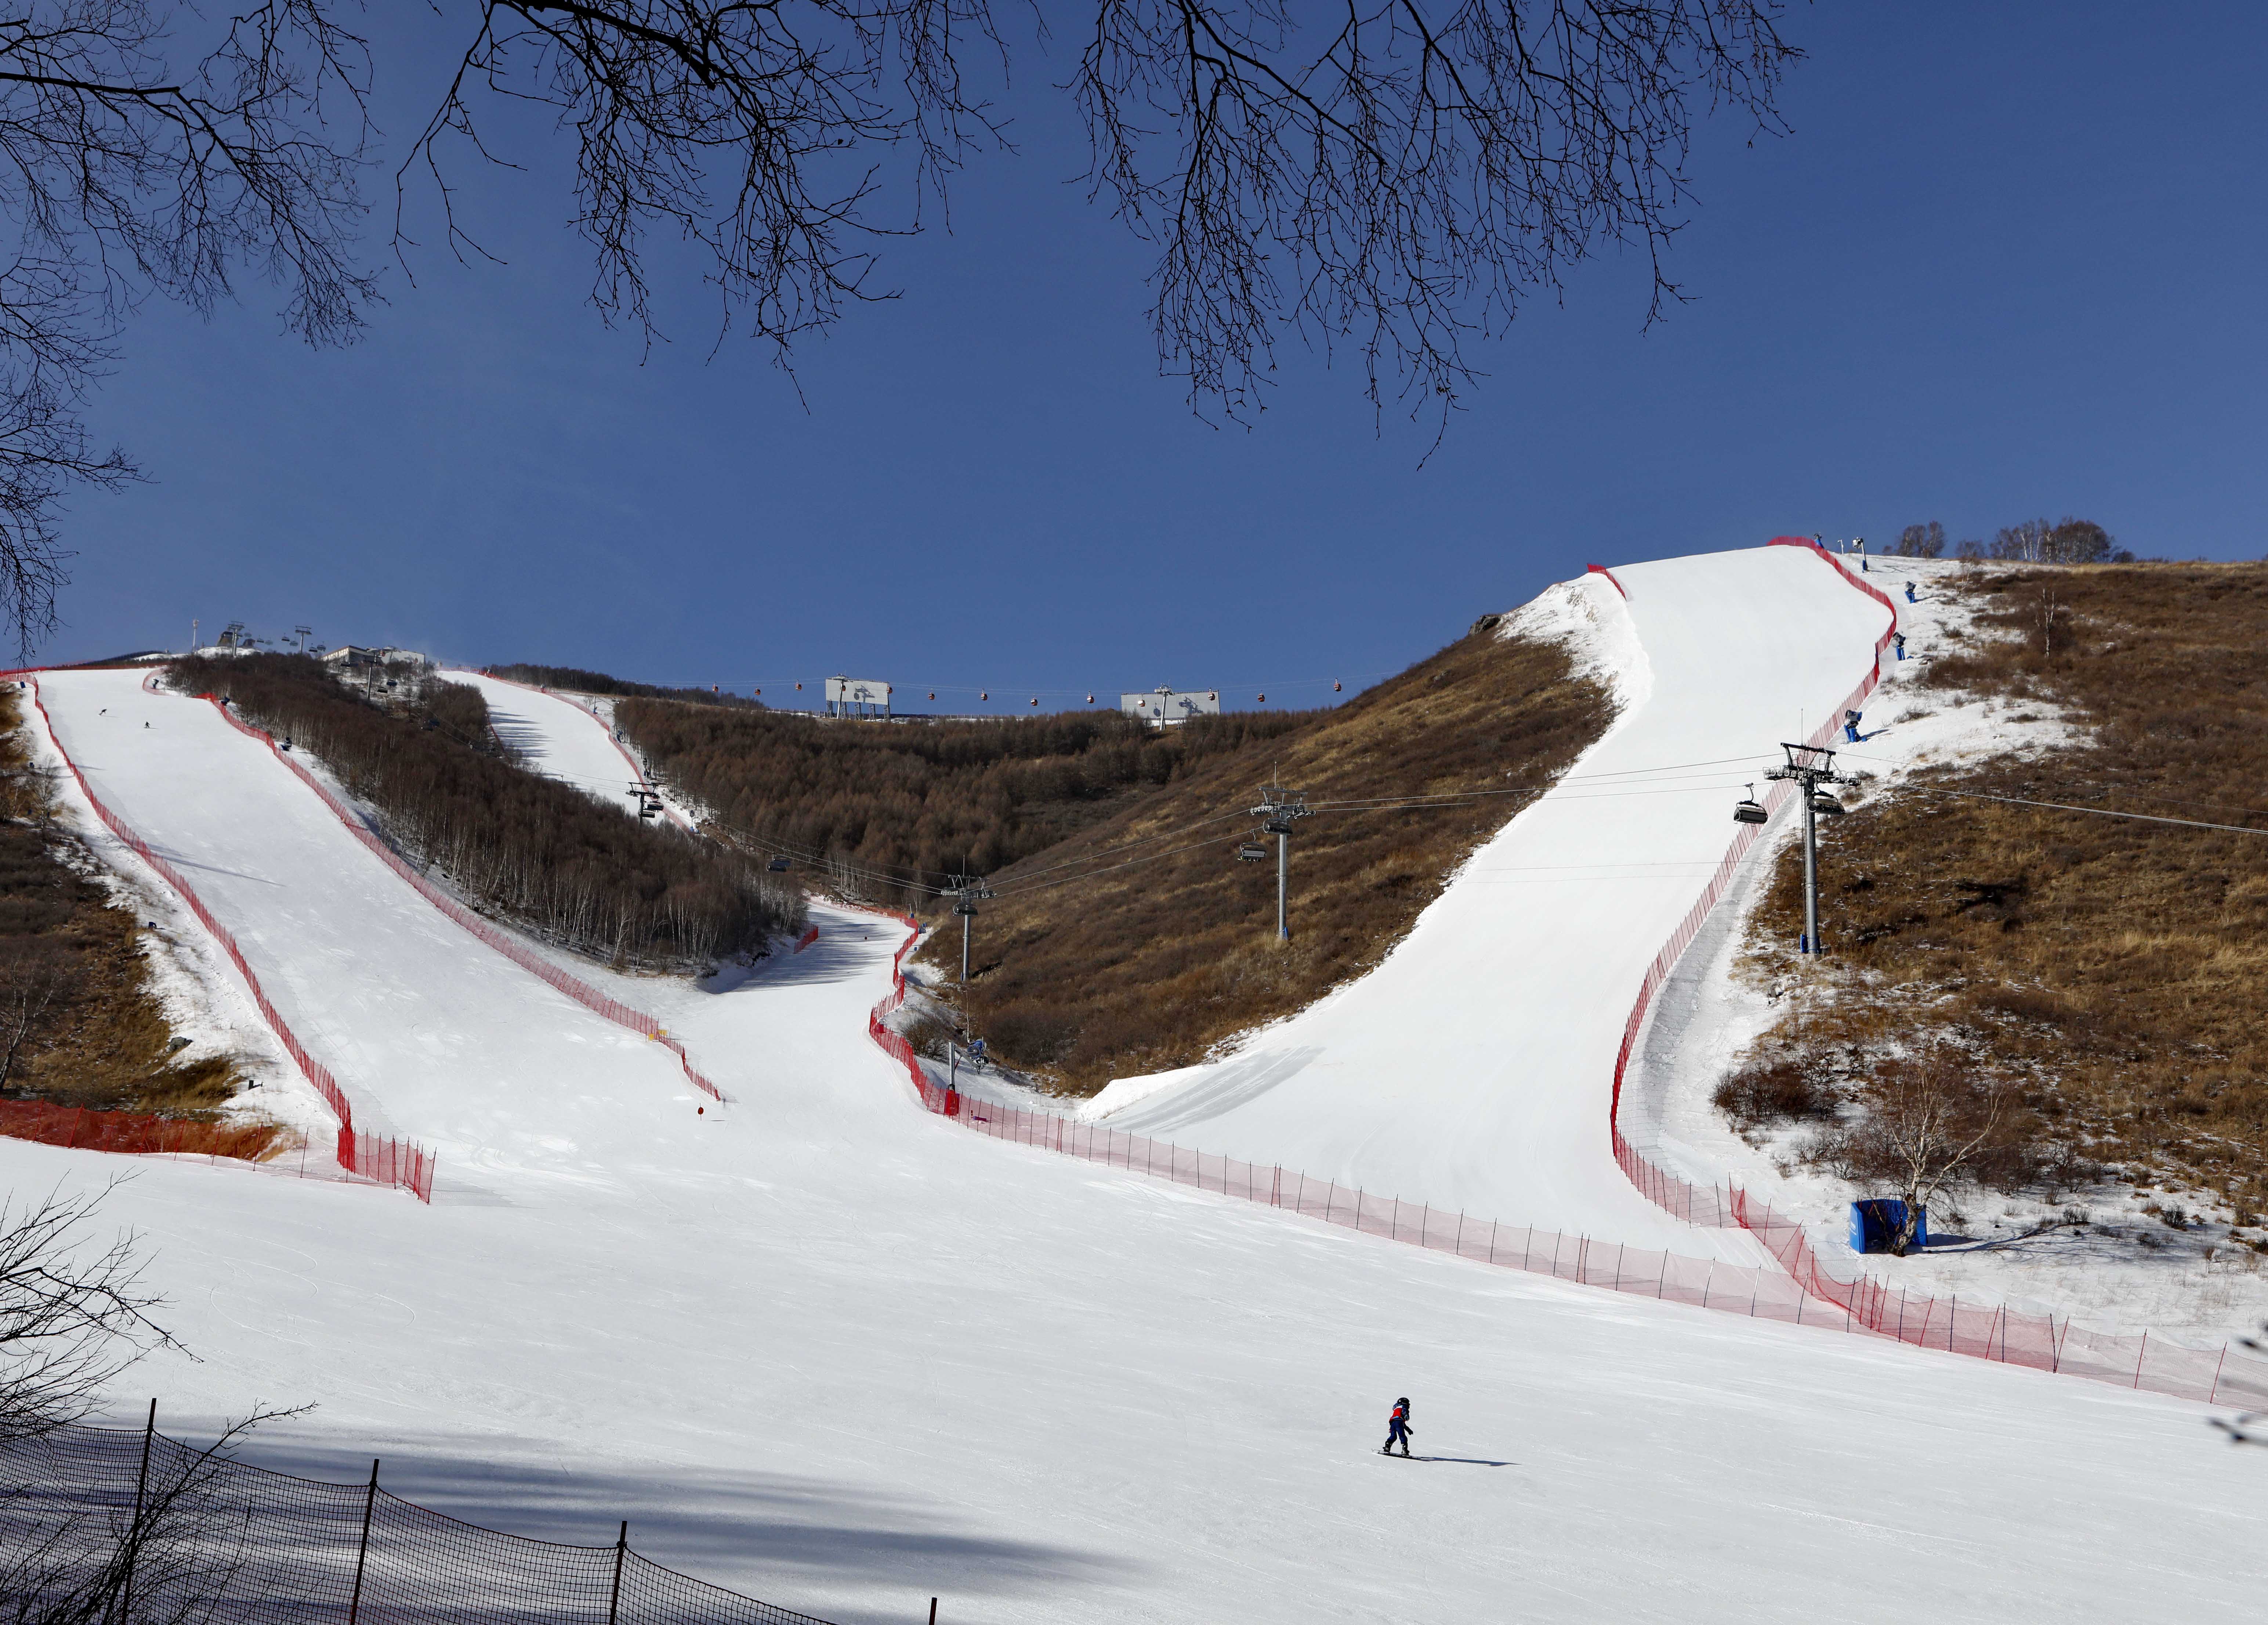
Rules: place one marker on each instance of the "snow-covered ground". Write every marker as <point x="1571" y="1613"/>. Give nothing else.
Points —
<point x="845" y="1355"/>
<point x="1473" y="1069"/>
<point x="580" y="750"/>
<point x="2118" y="1268"/>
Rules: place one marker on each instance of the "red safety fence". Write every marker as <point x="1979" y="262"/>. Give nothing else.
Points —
<point x="1801" y="1291"/>
<point x="1706" y="1283"/>
<point x="574" y="987"/>
<point x="809" y="936"/>
<point x="363" y="1156"/>
<point x="79" y="1128"/>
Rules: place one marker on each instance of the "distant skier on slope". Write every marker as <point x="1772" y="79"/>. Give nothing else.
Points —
<point x="1397" y="1428"/>
<point x="1851" y="721"/>
<point x="1910" y="596"/>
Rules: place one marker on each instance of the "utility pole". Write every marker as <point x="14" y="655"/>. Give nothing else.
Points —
<point x="1809" y="766"/>
<point x="967" y="891"/>
<point x="1279" y="807"/>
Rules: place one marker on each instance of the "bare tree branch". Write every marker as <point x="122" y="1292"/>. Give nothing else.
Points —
<point x="74" y="1312"/>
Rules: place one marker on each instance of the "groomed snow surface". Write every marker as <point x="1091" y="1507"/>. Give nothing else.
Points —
<point x="844" y="1355"/>
<point x="1473" y="1069"/>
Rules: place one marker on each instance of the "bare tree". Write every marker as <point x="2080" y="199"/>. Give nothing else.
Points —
<point x="126" y="176"/>
<point x="2064" y="542"/>
<point x="166" y="1557"/>
<point x="1393" y="178"/>
<point x="33" y="973"/>
<point x="74" y="1312"/>
<point x="1922" y="541"/>
<point x="1926" y="1120"/>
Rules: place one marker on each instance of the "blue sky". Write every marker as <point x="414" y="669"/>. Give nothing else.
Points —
<point x="2008" y="264"/>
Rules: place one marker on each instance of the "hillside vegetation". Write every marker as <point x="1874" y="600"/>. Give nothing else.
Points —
<point x="594" y="878"/>
<point x="882" y="812"/>
<point x="1142" y="942"/>
<point x="2115" y="970"/>
<point x="79" y="1023"/>
<point x="580" y="681"/>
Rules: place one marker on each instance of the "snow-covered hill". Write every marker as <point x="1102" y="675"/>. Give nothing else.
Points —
<point x="1473" y="1069"/>
<point x="824" y="1347"/>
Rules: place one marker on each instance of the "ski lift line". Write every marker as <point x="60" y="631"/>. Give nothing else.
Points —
<point x="788" y="849"/>
<point x="1013" y="890"/>
<point x="1259" y="685"/>
<point x="2107" y="790"/>
<point x="2065" y="807"/>
<point x="1127" y="846"/>
<point x="1024" y="882"/>
<point x="819" y="860"/>
<point x="1473" y="798"/>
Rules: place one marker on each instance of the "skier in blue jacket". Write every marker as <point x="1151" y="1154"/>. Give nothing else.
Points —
<point x="1397" y="1428"/>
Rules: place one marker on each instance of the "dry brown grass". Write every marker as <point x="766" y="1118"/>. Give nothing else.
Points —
<point x="2118" y="968"/>
<point x="103" y="1042"/>
<point x="1147" y="967"/>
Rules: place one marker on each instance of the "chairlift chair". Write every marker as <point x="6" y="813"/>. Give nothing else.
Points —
<point x="1252" y="852"/>
<point x="1277" y="827"/>
<point x="1751" y="811"/>
<point x="1822" y="802"/>
<point x="778" y="865"/>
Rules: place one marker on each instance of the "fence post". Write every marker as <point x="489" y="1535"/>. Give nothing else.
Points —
<point x="2212" y="1394"/>
<point x="135" y="1531"/>
<point x="622" y="1549"/>
<point x="2139" y="1351"/>
<point x="1492" y="1224"/>
<point x="361" y="1550"/>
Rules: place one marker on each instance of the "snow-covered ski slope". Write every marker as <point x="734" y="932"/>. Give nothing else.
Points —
<point x="845" y="1355"/>
<point x="398" y="1001"/>
<point x="556" y="737"/>
<point x="1473" y="1069"/>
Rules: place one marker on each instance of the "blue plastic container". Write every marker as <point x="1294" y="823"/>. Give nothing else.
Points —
<point x="1874" y="1221"/>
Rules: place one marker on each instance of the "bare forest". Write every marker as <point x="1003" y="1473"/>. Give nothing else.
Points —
<point x="886" y="814"/>
<point x="580" y="681"/>
<point x="594" y="878"/>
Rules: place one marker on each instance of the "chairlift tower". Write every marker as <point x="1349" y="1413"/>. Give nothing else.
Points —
<point x="1809" y="766"/>
<point x="1279" y="807"/>
<point x="966" y="891"/>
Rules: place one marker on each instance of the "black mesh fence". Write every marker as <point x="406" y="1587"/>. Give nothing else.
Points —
<point x="102" y="1527"/>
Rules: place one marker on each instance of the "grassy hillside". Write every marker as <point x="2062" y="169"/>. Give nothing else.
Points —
<point x="1141" y="941"/>
<point x="78" y="1023"/>
<point x="2118" y="970"/>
